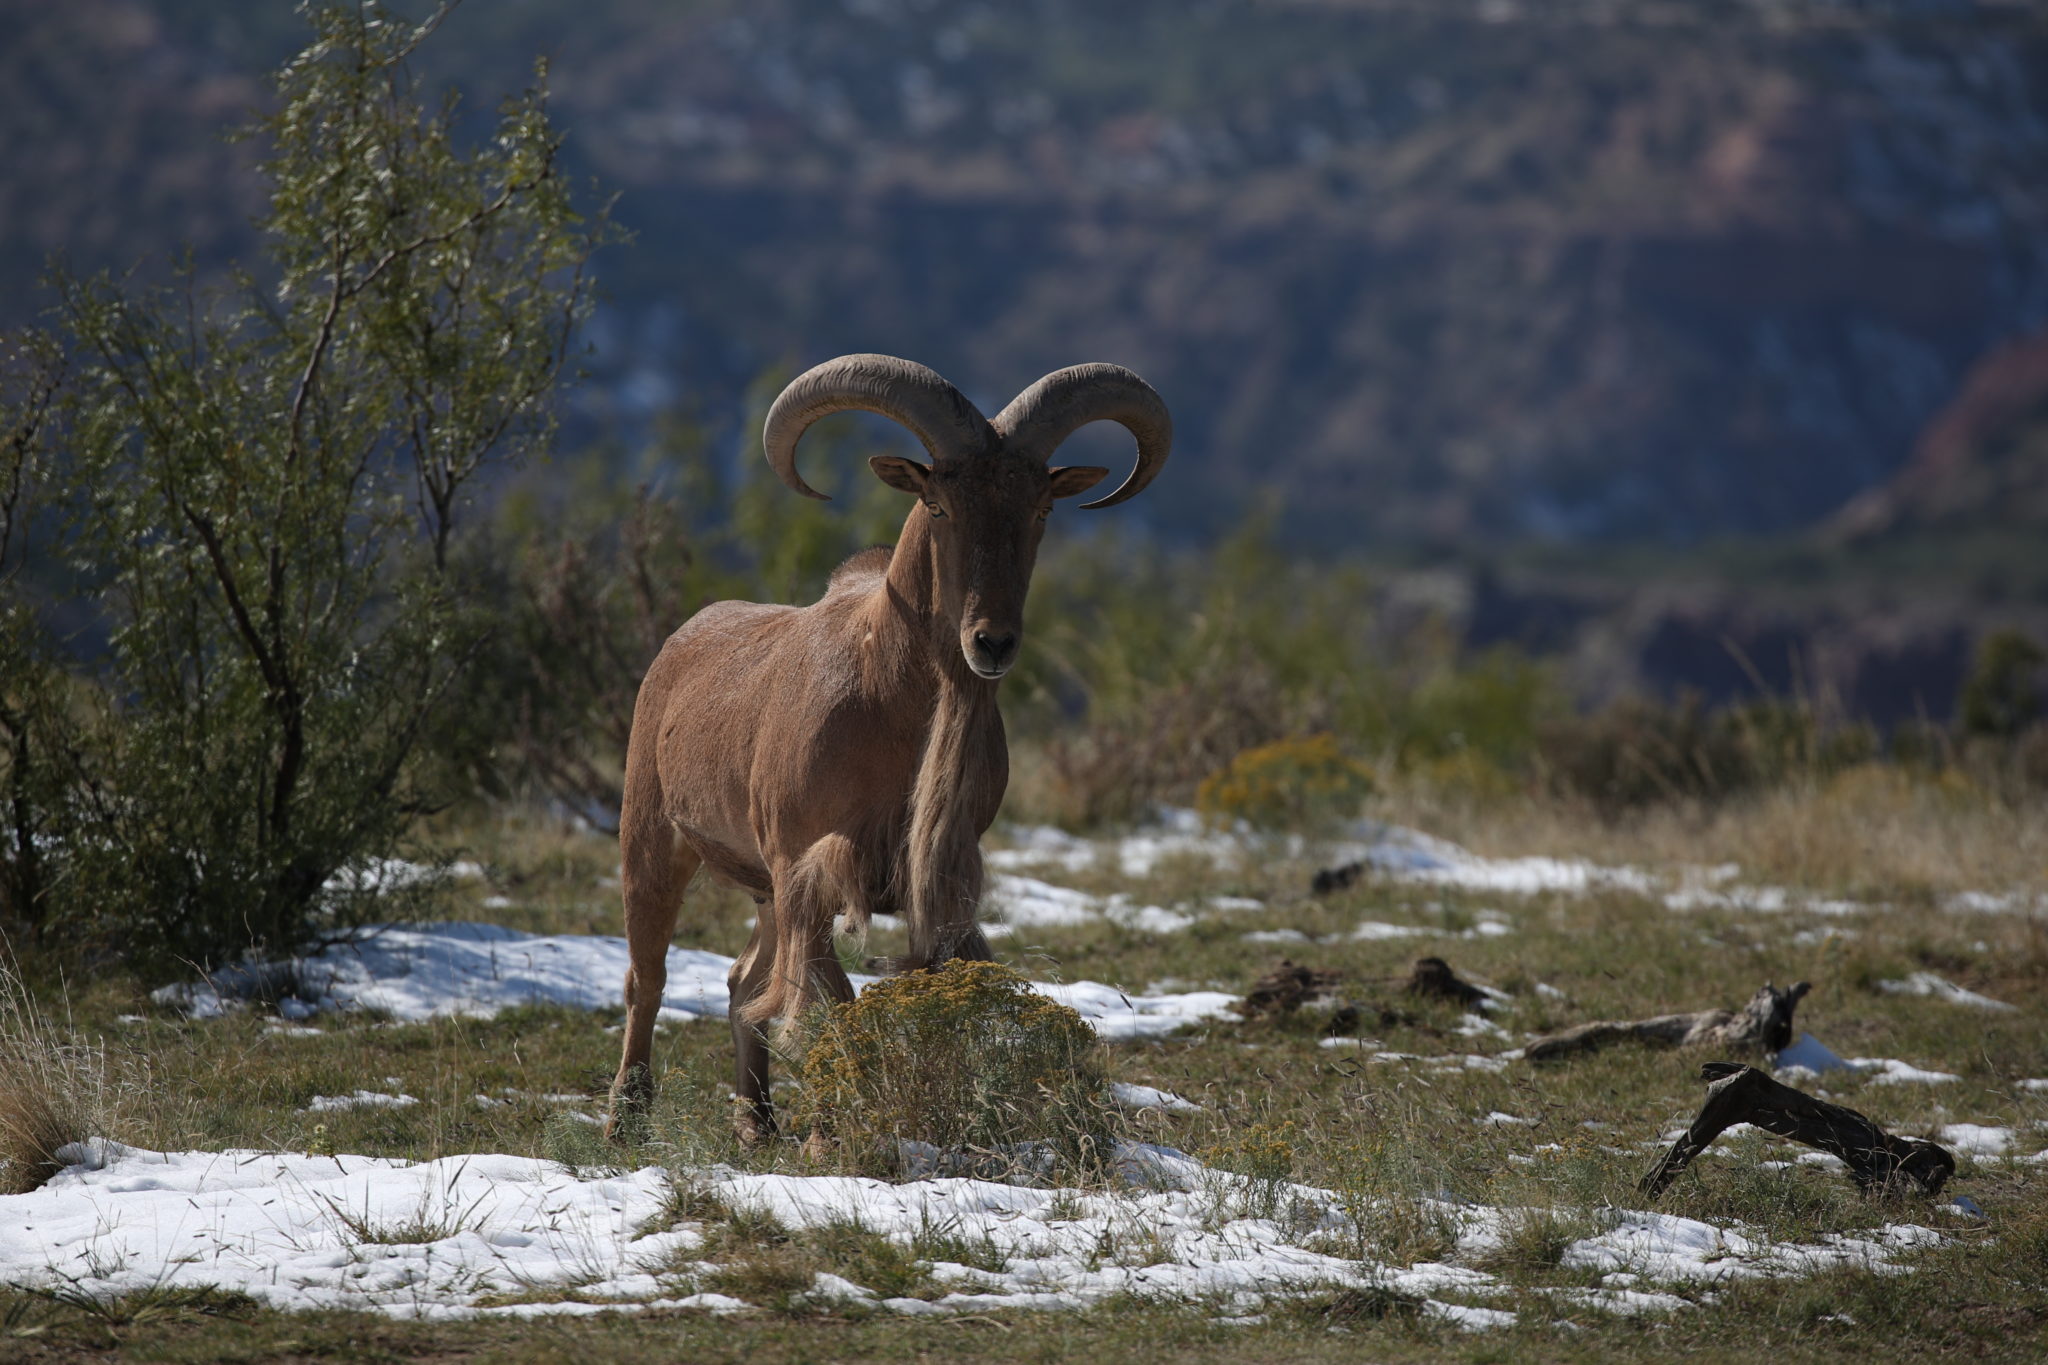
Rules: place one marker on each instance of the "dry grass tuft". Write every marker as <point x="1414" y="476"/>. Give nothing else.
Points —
<point x="967" y="1058"/>
<point x="53" y="1089"/>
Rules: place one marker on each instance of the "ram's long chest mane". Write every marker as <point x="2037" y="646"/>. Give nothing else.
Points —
<point x="963" y="760"/>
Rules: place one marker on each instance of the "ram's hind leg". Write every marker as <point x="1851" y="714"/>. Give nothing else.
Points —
<point x="655" y="870"/>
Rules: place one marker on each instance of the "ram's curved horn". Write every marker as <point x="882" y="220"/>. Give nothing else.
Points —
<point x="1048" y="412"/>
<point x="936" y="413"/>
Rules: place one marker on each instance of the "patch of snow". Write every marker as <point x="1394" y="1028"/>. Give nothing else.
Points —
<point x="1978" y="1139"/>
<point x="1117" y="1016"/>
<point x="1378" y="929"/>
<point x="1478" y="1026"/>
<point x="1708" y="891"/>
<point x="1276" y="936"/>
<point x="1450" y="1061"/>
<point x="829" y="1288"/>
<point x="312" y="1233"/>
<point x="1389" y="850"/>
<point x="1891" y="1071"/>
<point x="1809" y="1058"/>
<point x="287" y="1229"/>
<point x="2039" y="1083"/>
<point x="359" y="1099"/>
<point x="1030" y="903"/>
<point x="1469" y="1318"/>
<point x="1146" y="919"/>
<point x="1675" y="1250"/>
<point x="1398" y="854"/>
<point x="1995" y="903"/>
<point x="415" y="972"/>
<point x="1026" y="902"/>
<point x="1146" y="1097"/>
<point x="1927" y="983"/>
<point x="1498" y="1119"/>
<point x="1410" y="856"/>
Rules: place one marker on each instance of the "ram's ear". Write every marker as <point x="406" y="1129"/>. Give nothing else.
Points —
<point x="905" y="476"/>
<point x="1077" y="478"/>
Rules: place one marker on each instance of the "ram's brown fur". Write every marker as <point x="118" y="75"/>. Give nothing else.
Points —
<point x="843" y="759"/>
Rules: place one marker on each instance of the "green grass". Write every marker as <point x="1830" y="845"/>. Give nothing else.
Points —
<point x="1391" y="1138"/>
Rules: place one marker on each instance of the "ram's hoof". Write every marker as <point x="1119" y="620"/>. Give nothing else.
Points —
<point x="753" y="1129"/>
<point x="632" y="1093"/>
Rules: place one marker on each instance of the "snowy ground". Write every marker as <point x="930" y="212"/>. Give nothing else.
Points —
<point x="488" y="1234"/>
<point x="422" y="971"/>
<point x="473" y="1235"/>
<point x="413" y="972"/>
<point x="1397" y="854"/>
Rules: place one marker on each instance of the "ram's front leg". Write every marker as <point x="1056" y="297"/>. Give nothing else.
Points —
<point x="753" y="1110"/>
<point x="811" y="893"/>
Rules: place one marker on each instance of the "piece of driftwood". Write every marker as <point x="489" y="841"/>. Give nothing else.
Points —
<point x="1287" y="988"/>
<point x="1336" y="878"/>
<point x="1432" y="979"/>
<point x="1764" y="1026"/>
<point x="1742" y="1094"/>
<point x="1291" y="986"/>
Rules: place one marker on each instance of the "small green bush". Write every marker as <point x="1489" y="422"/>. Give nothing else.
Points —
<point x="966" y="1057"/>
<point x="254" y="506"/>
<point x="2002" y="695"/>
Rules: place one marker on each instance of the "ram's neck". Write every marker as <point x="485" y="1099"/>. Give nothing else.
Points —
<point x="963" y="766"/>
<point x="918" y="637"/>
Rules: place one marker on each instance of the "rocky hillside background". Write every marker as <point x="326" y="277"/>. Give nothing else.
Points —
<point x="1432" y="272"/>
<point x="1508" y="286"/>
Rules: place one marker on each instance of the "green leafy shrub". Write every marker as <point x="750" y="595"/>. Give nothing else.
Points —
<point x="967" y="1057"/>
<point x="2002" y="695"/>
<point x="1288" y="784"/>
<point x="266" y="492"/>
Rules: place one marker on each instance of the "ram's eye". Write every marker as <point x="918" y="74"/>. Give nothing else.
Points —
<point x="1044" y="512"/>
<point x="935" y="509"/>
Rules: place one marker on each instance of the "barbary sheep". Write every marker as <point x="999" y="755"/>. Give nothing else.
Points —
<point x="843" y="759"/>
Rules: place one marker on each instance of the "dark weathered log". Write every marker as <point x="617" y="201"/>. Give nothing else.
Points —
<point x="1432" y="979"/>
<point x="1336" y="878"/>
<point x="1742" y="1094"/>
<point x="1291" y="986"/>
<point x="1764" y="1026"/>
<point x="1287" y="988"/>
